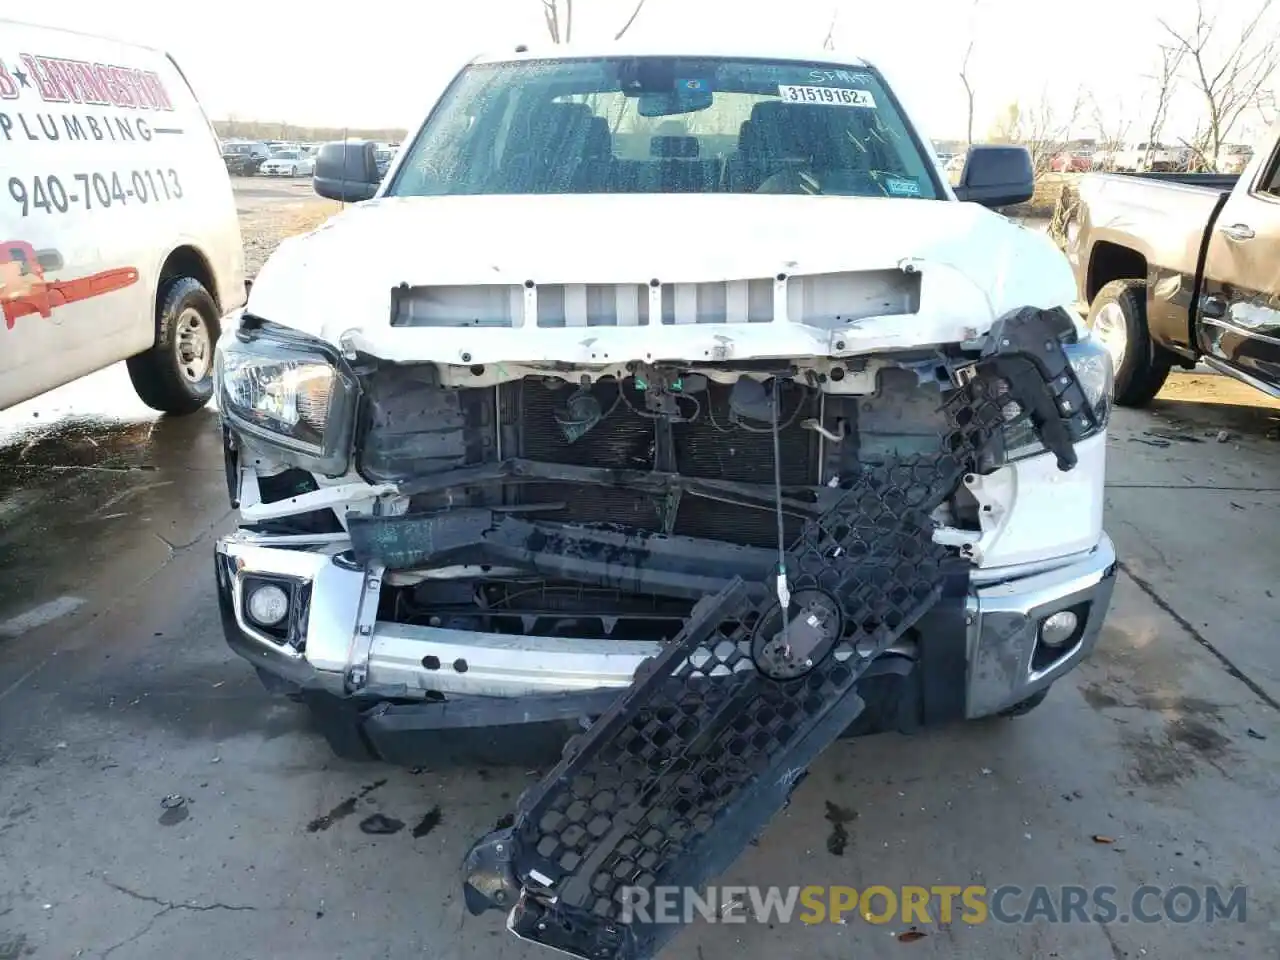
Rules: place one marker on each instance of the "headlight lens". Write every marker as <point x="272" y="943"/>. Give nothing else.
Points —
<point x="290" y="395"/>
<point x="1092" y="365"/>
<point x="290" y="398"/>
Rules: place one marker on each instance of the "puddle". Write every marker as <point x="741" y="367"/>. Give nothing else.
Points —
<point x="379" y="824"/>
<point x="343" y="810"/>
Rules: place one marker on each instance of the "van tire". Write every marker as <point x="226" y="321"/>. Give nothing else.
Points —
<point x="161" y="380"/>
<point x="1145" y="366"/>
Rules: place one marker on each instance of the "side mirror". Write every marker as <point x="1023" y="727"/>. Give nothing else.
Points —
<point x="347" y="170"/>
<point x="996" y="176"/>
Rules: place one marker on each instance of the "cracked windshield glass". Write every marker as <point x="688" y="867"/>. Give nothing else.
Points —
<point x="666" y="125"/>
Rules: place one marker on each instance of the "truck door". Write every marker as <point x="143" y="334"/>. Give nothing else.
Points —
<point x="1240" y="305"/>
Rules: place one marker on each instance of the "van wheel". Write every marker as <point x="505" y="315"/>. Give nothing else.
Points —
<point x="176" y="375"/>
<point x="1118" y="319"/>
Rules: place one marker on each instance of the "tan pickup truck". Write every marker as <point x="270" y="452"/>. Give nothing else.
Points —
<point x="1180" y="268"/>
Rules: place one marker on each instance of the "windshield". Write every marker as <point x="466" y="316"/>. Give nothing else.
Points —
<point x="666" y="125"/>
<point x="285" y="155"/>
<point x="236" y="148"/>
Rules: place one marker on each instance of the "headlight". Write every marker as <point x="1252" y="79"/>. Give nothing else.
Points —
<point x="289" y="394"/>
<point x="1092" y="365"/>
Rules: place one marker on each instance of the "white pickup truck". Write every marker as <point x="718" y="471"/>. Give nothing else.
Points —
<point x="674" y="403"/>
<point x="1150" y="158"/>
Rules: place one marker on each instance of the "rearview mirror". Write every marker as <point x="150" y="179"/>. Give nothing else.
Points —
<point x="689" y="97"/>
<point x="996" y="176"/>
<point x="347" y="170"/>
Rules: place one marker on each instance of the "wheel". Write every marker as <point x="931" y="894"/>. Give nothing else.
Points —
<point x="1023" y="707"/>
<point x="176" y="375"/>
<point x="1118" y="318"/>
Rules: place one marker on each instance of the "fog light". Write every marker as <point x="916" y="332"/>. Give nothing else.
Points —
<point x="1058" y="628"/>
<point x="268" y="604"/>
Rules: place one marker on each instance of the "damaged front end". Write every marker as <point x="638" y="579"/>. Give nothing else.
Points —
<point x="705" y="561"/>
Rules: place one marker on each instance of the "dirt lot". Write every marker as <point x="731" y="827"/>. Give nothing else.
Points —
<point x="271" y="210"/>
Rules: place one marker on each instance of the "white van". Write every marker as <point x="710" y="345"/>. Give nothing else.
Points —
<point x="118" y="230"/>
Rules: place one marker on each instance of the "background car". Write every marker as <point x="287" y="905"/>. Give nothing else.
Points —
<point x="1151" y="158"/>
<point x="289" y="163"/>
<point x="1234" y="158"/>
<point x="1103" y="159"/>
<point x="384" y="153"/>
<point x="1072" y="161"/>
<point x="244" y="157"/>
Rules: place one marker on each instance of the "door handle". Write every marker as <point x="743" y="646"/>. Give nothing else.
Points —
<point x="1238" y="232"/>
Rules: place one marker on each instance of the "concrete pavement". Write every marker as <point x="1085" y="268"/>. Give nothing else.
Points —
<point x="127" y="695"/>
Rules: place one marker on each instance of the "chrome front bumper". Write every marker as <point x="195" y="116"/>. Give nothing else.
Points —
<point x="349" y="652"/>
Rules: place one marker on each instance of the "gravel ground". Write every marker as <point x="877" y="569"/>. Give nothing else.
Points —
<point x="269" y="212"/>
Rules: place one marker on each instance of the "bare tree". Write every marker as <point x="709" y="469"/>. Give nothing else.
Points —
<point x="560" y="28"/>
<point x="630" y="20"/>
<point x="1198" y="149"/>
<point x="1166" y="79"/>
<point x="968" y="92"/>
<point x="1268" y="107"/>
<point x="1230" y="77"/>
<point x="965" y="77"/>
<point x="830" y="42"/>
<point x="558" y="15"/>
<point x="1040" y="127"/>
<point x="1111" y="135"/>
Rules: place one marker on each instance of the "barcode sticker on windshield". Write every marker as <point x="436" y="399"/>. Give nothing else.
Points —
<point x="837" y="96"/>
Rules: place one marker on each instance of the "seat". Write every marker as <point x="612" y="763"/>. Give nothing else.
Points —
<point x="818" y="139"/>
<point x="741" y="166"/>
<point x="596" y="167"/>
<point x="550" y="144"/>
<point x="783" y="131"/>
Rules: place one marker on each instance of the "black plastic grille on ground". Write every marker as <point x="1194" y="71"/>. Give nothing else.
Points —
<point x="693" y="760"/>
<point x="638" y="800"/>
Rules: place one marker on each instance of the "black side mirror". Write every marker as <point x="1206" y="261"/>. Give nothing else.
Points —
<point x="347" y="170"/>
<point x="996" y="176"/>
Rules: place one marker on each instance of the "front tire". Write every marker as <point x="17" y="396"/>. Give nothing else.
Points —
<point x="1118" y="318"/>
<point x="176" y="375"/>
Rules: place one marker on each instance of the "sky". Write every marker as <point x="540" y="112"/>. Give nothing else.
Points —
<point x="258" y="60"/>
